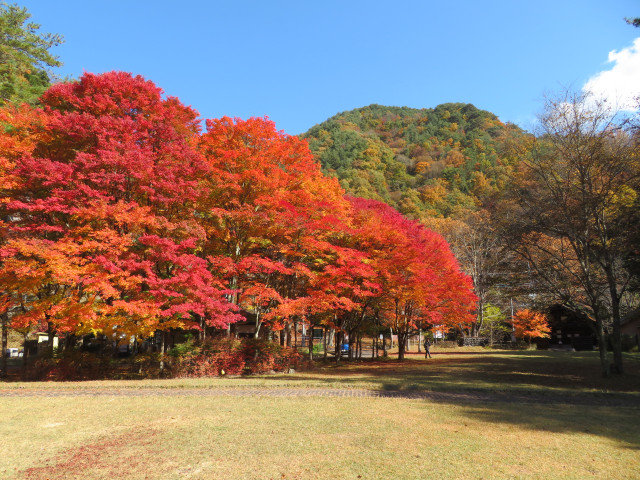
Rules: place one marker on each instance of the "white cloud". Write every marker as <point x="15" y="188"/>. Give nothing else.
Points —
<point x="620" y="85"/>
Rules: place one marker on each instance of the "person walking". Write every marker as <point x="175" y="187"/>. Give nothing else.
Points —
<point x="427" y="348"/>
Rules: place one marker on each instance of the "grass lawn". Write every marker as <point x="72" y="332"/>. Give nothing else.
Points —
<point x="152" y="435"/>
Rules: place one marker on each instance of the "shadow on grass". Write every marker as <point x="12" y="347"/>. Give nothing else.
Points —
<point x="547" y="391"/>
<point x="541" y="372"/>
<point x="620" y="424"/>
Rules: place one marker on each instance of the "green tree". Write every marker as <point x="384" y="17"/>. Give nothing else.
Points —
<point x="494" y="325"/>
<point x="633" y="21"/>
<point x="25" y="60"/>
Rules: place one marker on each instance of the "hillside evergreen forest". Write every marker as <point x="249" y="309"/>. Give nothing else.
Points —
<point x="431" y="162"/>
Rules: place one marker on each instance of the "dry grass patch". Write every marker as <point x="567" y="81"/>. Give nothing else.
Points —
<point x="189" y="435"/>
<point x="311" y="438"/>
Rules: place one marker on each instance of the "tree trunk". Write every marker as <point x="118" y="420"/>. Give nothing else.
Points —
<point x="234" y="287"/>
<point x="163" y="350"/>
<point x="402" y="339"/>
<point x="69" y="341"/>
<point x="5" y="342"/>
<point x="256" y="335"/>
<point x="616" y="334"/>
<point x="202" y="334"/>
<point x="311" y="345"/>
<point x="478" y="325"/>
<point x="25" y="354"/>
<point x="50" y="334"/>
<point x="324" y="342"/>
<point x="602" y="346"/>
<point x="491" y="334"/>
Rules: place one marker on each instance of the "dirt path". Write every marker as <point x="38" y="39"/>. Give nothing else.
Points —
<point x="619" y="399"/>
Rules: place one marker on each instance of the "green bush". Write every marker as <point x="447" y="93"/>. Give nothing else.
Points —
<point x="183" y="349"/>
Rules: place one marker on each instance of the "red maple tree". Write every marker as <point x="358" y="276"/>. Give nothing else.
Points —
<point x="421" y="281"/>
<point x="102" y="208"/>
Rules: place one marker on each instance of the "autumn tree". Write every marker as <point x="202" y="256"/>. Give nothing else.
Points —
<point x="571" y="211"/>
<point x="528" y="324"/>
<point x="421" y="281"/>
<point x="481" y="251"/>
<point x="100" y="227"/>
<point x="17" y="137"/>
<point x="270" y="213"/>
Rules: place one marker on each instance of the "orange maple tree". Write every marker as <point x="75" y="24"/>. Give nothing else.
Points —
<point x="268" y="211"/>
<point x="528" y="324"/>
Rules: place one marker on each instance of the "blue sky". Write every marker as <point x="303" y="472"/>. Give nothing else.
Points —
<point x="300" y="62"/>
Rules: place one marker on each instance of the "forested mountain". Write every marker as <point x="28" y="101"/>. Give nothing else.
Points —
<point x="424" y="162"/>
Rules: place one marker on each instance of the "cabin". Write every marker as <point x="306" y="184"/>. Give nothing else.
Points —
<point x="570" y="329"/>
<point x="630" y="327"/>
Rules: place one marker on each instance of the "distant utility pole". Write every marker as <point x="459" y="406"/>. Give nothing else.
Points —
<point x="513" y="329"/>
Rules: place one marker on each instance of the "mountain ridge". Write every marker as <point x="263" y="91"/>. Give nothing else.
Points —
<point x="427" y="162"/>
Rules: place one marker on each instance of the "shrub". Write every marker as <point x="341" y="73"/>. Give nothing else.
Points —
<point x="72" y="365"/>
<point x="262" y="357"/>
<point x="213" y="357"/>
<point x="229" y="356"/>
<point x="628" y="343"/>
<point x="145" y="365"/>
